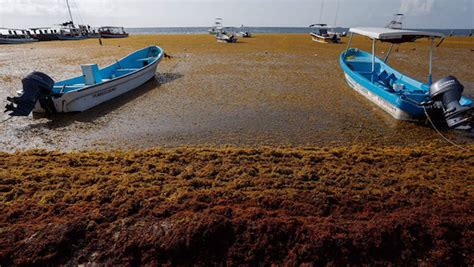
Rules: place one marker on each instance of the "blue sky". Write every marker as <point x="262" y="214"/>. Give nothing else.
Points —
<point x="292" y="13"/>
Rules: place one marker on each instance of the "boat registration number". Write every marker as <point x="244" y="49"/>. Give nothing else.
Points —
<point x="104" y="92"/>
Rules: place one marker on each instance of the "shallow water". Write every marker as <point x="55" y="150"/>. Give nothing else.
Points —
<point x="274" y="90"/>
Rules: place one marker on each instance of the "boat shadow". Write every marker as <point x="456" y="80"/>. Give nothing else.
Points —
<point x="61" y="120"/>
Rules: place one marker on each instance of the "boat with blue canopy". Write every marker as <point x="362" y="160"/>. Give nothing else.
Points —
<point x="396" y="93"/>
<point x="95" y="86"/>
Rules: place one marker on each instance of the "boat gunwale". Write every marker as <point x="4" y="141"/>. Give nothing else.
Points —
<point x="159" y="57"/>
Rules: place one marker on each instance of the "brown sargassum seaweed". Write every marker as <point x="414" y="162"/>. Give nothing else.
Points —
<point x="205" y="206"/>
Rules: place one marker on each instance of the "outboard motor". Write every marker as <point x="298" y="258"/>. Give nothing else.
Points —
<point x="447" y="93"/>
<point x="36" y="87"/>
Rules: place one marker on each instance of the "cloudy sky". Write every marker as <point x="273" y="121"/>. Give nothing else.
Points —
<point x="293" y="13"/>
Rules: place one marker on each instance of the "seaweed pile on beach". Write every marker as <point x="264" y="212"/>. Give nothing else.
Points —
<point x="325" y="206"/>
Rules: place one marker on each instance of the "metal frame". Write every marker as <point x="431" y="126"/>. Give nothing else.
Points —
<point x="432" y="43"/>
<point x="430" y="77"/>
<point x="388" y="53"/>
<point x="373" y="58"/>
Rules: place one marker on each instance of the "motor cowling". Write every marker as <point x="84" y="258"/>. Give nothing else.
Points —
<point x="447" y="93"/>
<point x="36" y="87"/>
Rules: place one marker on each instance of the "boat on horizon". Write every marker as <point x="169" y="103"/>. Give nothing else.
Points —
<point x="397" y="22"/>
<point x="217" y="28"/>
<point x="325" y="34"/>
<point x="44" y="34"/>
<point x="244" y="33"/>
<point x="226" y="37"/>
<point x="112" y="32"/>
<point x="41" y="94"/>
<point x="69" y="32"/>
<point x="15" y="36"/>
<point x="402" y="97"/>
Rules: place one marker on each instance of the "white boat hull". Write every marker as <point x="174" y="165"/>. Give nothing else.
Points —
<point x="394" y="111"/>
<point x="89" y="97"/>
<point x="325" y="39"/>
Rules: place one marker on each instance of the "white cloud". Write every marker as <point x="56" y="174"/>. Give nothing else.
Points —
<point x="417" y="7"/>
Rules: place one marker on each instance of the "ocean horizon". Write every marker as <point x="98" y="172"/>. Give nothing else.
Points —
<point x="203" y="30"/>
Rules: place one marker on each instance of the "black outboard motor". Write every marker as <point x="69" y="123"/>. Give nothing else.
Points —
<point x="446" y="93"/>
<point x="36" y="87"/>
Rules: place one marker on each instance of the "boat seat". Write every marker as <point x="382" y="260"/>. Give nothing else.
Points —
<point x="382" y="76"/>
<point x="127" y="70"/>
<point x="386" y="80"/>
<point x="67" y="88"/>
<point x="146" y="59"/>
<point x="121" y="72"/>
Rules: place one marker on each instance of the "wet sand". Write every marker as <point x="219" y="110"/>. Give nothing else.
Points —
<point x="269" y="90"/>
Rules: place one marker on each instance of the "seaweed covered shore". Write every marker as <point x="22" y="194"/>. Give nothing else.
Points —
<point x="271" y="89"/>
<point x="323" y="206"/>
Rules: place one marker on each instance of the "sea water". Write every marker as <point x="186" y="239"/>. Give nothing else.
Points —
<point x="201" y="30"/>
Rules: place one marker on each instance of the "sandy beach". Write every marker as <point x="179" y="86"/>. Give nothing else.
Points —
<point x="253" y="153"/>
<point x="269" y="90"/>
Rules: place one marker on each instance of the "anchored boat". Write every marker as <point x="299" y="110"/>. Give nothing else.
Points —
<point x="41" y="94"/>
<point x="324" y="34"/>
<point x="399" y="95"/>
<point x="224" y="37"/>
<point x="45" y="34"/>
<point x="112" y="32"/>
<point x="217" y="28"/>
<point x="397" y="22"/>
<point x="244" y="33"/>
<point x="15" y="36"/>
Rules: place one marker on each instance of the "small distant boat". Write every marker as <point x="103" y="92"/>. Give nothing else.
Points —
<point x="397" y="22"/>
<point x="41" y="94"/>
<point x="399" y="95"/>
<point x="45" y="34"/>
<point x="69" y="32"/>
<point x="217" y="28"/>
<point x="93" y="33"/>
<point x="112" y="32"/>
<point x="225" y="37"/>
<point x="15" y="36"/>
<point x="244" y="33"/>
<point x="324" y="34"/>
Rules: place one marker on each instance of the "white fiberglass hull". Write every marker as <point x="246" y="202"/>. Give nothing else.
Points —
<point x="394" y="111"/>
<point x="325" y="39"/>
<point x="89" y="97"/>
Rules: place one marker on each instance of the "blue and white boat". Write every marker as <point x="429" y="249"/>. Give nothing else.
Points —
<point x="41" y="94"/>
<point x="399" y="95"/>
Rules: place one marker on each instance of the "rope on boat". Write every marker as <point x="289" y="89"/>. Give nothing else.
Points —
<point x="441" y="134"/>
<point x="6" y="120"/>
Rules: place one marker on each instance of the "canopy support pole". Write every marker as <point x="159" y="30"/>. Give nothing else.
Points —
<point x="388" y="53"/>
<point x="349" y="43"/>
<point x="373" y="58"/>
<point x="430" y="78"/>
